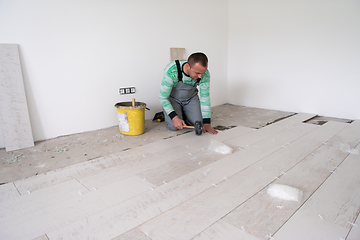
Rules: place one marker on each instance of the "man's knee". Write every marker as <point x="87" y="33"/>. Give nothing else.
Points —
<point x="172" y="128"/>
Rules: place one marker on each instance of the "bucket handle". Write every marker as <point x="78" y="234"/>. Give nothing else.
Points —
<point x="133" y="104"/>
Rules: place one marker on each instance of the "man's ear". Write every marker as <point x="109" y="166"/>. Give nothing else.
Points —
<point x="186" y="68"/>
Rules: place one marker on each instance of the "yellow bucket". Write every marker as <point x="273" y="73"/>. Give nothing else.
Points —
<point x="131" y="117"/>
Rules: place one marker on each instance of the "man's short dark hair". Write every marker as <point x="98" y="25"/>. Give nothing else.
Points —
<point x="198" y="57"/>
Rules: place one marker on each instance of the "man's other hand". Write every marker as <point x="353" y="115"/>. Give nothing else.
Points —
<point x="208" y="128"/>
<point x="178" y="123"/>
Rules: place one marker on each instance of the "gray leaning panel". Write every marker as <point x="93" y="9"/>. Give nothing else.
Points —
<point x="14" y="114"/>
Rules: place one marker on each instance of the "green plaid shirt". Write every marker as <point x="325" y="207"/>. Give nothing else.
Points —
<point x="170" y="80"/>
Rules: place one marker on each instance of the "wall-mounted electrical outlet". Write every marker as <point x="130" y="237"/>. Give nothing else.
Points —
<point x="127" y="90"/>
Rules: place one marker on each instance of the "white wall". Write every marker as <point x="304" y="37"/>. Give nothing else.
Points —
<point x="77" y="54"/>
<point x="299" y="55"/>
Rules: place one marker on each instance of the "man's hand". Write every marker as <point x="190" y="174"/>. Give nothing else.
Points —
<point x="178" y="123"/>
<point x="209" y="128"/>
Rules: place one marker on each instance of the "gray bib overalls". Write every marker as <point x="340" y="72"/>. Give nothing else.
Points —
<point x="185" y="101"/>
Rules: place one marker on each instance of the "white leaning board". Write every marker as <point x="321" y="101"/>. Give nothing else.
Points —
<point x="14" y="115"/>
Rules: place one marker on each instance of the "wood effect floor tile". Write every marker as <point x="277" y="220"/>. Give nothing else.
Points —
<point x="262" y="215"/>
<point x="354" y="233"/>
<point x="222" y="230"/>
<point x="66" y="213"/>
<point x="23" y="204"/>
<point x="137" y="165"/>
<point x="113" y="221"/>
<point x="238" y="161"/>
<point x="61" y="175"/>
<point x="174" y="169"/>
<point x="266" y="132"/>
<point x="201" y="179"/>
<point x="7" y="192"/>
<point x="101" y="217"/>
<point x="193" y="216"/>
<point x="198" y="213"/>
<point x="194" y="141"/>
<point x="134" y="233"/>
<point x="331" y="210"/>
<point x="166" y="199"/>
<point x="31" y="225"/>
<point x="43" y="237"/>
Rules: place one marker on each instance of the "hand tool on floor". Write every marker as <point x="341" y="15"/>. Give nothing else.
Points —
<point x="159" y="117"/>
<point x="198" y="127"/>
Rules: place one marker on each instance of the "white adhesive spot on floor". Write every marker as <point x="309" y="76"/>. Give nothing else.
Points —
<point x="354" y="151"/>
<point x="219" y="147"/>
<point x="344" y="147"/>
<point x="284" y="192"/>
